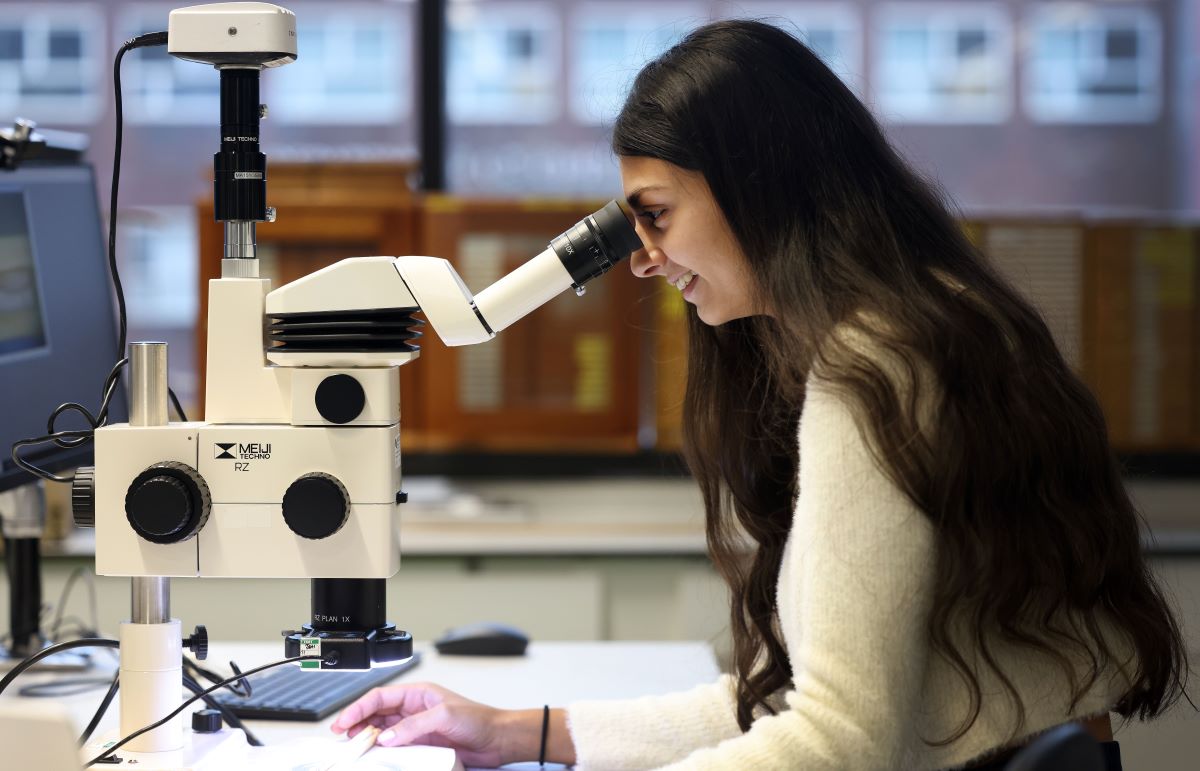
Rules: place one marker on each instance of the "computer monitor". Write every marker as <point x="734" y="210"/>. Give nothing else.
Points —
<point x="58" y="332"/>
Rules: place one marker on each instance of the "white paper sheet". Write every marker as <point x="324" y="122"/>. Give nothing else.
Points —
<point x="313" y="753"/>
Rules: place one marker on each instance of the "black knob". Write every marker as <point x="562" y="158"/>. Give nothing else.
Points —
<point x="161" y="504"/>
<point x="340" y="398"/>
<point x="83" y="496"/>
<point x="197" y="642"/>
<point x="167" y="503"/>
<point x="316" y="506"/>
<point x="206" y="721"/>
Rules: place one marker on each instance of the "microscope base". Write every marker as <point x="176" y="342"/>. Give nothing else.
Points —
<point x="224" y="749"/>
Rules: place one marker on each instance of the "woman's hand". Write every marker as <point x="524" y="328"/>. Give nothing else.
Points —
<point x="423" y="713"/>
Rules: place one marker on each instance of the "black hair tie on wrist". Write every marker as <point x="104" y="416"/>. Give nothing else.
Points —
<point x="545" y="731"/>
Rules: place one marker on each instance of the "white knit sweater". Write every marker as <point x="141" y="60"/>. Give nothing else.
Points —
<point x="854" y="594"/>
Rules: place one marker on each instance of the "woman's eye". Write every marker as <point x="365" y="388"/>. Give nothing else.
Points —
<point x="653" y="215"/>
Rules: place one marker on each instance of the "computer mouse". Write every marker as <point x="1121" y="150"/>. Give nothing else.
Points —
<point x="486" y="639"/>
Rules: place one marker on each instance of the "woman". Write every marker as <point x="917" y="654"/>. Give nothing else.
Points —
<point x="946" y="561"/>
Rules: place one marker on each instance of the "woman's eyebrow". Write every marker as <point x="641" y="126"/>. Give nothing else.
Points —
<point x="635" y="198"/>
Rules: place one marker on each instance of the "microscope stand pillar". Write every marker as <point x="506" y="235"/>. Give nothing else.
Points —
<point x="151" y="668"/>
<point x="151" y="641"/>
<point x="151" y="688"/>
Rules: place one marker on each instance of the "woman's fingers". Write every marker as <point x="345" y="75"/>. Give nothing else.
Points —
<point x="431" y="722"/>
<point x="380" y="720"/>
<point x="395" y="699"/>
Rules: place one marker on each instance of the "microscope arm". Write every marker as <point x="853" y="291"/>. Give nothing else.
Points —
<point x="431" y="285"/>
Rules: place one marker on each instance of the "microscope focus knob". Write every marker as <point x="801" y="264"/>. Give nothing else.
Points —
<point x="316" y="506"/>
<point x="340" y="398"/>
<point x="197" y="642"/>
<point x="83" y="496"/>
<point x="167" y="503"/>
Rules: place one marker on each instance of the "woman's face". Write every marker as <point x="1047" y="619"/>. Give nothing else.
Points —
<point x="687" y="240"/>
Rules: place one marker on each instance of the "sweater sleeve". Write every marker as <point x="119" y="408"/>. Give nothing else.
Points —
<point x="855" y="596"/>
<point x="653" y="730"/>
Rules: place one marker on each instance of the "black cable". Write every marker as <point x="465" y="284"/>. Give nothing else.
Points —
<point x="241" y="689"/>
<point x="230" y="718"/>
<point x="86" y="642"/>
<point x="178" y="407"/>
<point x="66" y="686"/>
<point x="96" y="718"/>
<point x="76" y="437"/>
<point x="186" y="704"/>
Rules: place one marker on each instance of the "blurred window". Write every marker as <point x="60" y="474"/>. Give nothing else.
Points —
<point x="1094" y="64"/>
<point x="157" y="248"/>
<point x="158" y="88"/>
<point x="832" y="30"/>
<point x="503" y="63"/>
<point x="609" y="44"/>
<point x="355" y="65"/>
<point x="157" y="256"/>
<point x="944" y="63"/>
<point x="51" y="66"/>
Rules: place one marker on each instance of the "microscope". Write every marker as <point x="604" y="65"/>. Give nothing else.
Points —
<point x="296" y="469"/>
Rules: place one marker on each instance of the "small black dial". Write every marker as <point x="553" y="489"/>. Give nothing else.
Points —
<point x="167" y="503"/>
<point x="206" y="721"/>
<point x="340" y="398"/>
<point x="83" y="496"/>
<point x="316" y="506"/>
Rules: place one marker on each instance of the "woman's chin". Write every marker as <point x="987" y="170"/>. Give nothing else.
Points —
<point x="709" y="317"/>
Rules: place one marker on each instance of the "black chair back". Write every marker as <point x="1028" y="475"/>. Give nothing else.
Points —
<point x="1066" y="748"/>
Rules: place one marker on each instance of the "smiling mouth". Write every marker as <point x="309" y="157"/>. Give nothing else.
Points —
<point x="682" y="282"/>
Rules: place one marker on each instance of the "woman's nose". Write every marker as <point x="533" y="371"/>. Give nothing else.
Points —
<point x="647" y="261"/>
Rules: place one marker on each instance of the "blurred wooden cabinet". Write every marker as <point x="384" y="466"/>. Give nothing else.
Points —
<point x="1120" y="298"/>
<point x="564" y="378"/>
<point x="1142" y="346"/>
<point x="326" y="212"/>
<point x="669" y="351"/>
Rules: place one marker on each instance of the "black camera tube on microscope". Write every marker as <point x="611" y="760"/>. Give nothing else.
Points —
<point x="240" y="169"/>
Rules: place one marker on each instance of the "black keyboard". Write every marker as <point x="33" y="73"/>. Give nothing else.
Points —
<point x="291" y="693"/>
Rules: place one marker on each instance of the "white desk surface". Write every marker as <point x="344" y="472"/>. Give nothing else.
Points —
<point x="553" y="673"/>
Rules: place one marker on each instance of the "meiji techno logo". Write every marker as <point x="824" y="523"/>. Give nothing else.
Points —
<point x="240" y="451"/>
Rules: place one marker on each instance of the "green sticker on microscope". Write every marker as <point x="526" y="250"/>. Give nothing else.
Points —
<point x="310" y="646"/>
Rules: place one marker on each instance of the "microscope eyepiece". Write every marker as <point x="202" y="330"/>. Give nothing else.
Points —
<point x="596" y="243"/>
<point x="588" y="249"/>
<point x="616" y="225"/>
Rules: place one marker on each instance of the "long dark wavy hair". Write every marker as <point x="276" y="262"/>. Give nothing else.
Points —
<point x="1038" y="543"/>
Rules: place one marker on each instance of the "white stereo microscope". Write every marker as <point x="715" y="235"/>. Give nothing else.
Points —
<point x="295" y="471"/>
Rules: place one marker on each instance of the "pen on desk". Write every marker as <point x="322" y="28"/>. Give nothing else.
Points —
<point x="354" y="749"/>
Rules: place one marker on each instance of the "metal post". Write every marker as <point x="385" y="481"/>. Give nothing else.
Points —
<point x="150" y="595"/>
<point x="148" y="387"/>
<point x="241" y="249"/>
<point x="22" y="523"/>
<point x="151" y="643"/>
<point x="151" y="600"/>
<point x="240" y="238"/>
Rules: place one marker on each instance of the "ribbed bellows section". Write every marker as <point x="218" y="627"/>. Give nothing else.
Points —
<point x="387" y="330"/>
